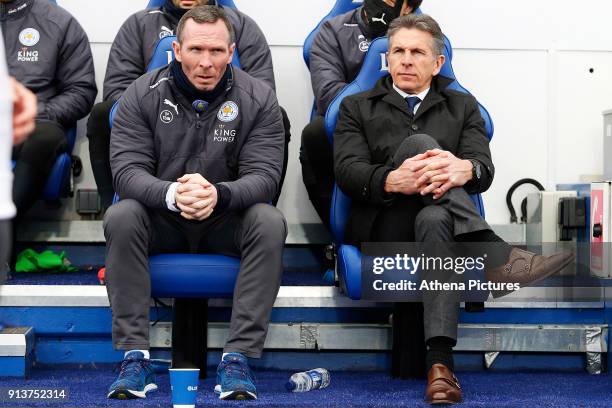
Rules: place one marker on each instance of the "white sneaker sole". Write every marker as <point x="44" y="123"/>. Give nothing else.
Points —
<point x="237" y="395"/>
<point x="131" y="394"/>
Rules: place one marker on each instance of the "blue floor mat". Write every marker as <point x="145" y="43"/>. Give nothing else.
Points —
<point x="87" y="388"/>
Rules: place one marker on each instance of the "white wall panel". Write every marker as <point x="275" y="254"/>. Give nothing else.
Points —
<point x="494" y="24"/>
<point x="102" y="19"/>
<point x="582" y="25"/>
<point x="519" y="143"/>
<point x="582" y="97"/>
<point x="295" y="95"/>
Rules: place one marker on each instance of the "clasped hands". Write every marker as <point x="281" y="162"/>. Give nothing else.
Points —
<point x="24" y="110"/>
<point x="195" y="197"/>
<point x="434" y="172"/>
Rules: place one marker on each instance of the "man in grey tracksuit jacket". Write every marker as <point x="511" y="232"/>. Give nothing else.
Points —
<point x="236" y="143"/>
<point x="336" y="56"/>
<point x="49" y="53"/>
<point x="130" y="54"/>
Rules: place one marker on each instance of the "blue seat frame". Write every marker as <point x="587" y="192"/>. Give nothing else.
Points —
<point x="348" y="265"/>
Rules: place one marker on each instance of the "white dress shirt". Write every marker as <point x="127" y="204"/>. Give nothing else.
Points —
<point x="405" y="95"/>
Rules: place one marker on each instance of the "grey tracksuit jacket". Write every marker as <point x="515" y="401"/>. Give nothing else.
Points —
<point x="157" y="137"/>
<point x="336" y="56"/>
<point x="135" y="43"/>
<point x="48" y="51"/>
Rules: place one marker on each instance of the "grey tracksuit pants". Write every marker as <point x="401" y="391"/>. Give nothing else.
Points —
<point x="133" y="232"/>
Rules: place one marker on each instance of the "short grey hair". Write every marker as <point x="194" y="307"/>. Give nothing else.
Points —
<point x="422" y="22"/>
<point x="202" y="15"/>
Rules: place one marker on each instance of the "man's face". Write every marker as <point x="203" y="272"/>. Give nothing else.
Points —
<point x="406" y="9"/>
<point x="204" y="53"/>
<point x="412" y="63"/>
<point x="189" y="4"/>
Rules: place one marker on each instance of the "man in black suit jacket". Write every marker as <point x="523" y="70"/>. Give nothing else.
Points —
<point x="408" y="152"/>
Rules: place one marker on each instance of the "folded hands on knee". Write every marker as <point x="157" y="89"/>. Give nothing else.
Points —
<point x="196" y="197"/>
<point x="434" y="172"/>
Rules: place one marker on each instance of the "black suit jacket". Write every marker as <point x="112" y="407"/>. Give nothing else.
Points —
<point x="372" y="125"/>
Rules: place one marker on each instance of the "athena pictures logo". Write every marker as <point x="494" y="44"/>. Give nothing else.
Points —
<point x="228" y="112"/>
<point x="29" y="37"/>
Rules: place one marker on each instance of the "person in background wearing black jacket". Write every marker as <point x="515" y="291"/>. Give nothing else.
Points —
<point x="196" y="156"/>
<point x="130" y="54"/>
<point x="408" y="152"/>
<point x="336" y="56"/>
<point x="48" y="52"/>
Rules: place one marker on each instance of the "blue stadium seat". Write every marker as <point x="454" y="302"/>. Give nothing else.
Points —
<point x="349" y="256"/>
<point x="159" y="3"/>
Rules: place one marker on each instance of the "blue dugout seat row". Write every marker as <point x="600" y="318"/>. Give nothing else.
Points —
<point x="349" y="256"/>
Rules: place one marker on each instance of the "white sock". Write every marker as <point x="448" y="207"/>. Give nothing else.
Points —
<point x="145" y="352"/>
<point x="223" y="355"/>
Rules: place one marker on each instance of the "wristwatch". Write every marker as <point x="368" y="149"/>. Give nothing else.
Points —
<point x="476" y="171"/>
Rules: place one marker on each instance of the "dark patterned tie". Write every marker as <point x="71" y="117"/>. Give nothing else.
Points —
<point x="412" y="102"/>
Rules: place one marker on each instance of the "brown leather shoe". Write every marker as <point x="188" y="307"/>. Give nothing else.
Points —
<point x="442" y="386"/>
<point x="527" y="268"/>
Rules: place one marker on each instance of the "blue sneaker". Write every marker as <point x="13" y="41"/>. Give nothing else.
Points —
<point x="234" y="379"/>
<point x="136" y="378"/>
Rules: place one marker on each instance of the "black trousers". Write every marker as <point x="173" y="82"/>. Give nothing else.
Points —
<point x="34" y="160"/>
<point x="421" y="219"/>
<point x="98" y="133"/>
<point x="317" y="159"/>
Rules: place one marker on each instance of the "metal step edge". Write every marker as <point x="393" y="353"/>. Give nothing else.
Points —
<point x="297" y="296"/>
<point x="378" y="337"/>
<point x="16" y="341"/>
<point x="91" y="232"/>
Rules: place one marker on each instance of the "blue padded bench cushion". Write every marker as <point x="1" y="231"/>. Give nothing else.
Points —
<point x="193" y="275"/>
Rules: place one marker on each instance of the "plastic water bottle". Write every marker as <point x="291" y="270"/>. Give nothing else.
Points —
<point x="308" y="380"/>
